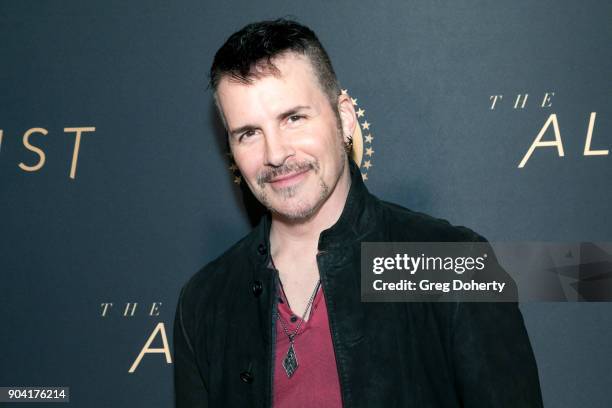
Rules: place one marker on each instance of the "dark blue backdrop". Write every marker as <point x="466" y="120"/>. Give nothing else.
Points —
<point x="152" y="198"/>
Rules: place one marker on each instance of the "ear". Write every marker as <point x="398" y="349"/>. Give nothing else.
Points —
<point x="348" y="118"/>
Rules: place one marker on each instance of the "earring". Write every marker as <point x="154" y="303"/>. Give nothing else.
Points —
<point x="348" y="145"/>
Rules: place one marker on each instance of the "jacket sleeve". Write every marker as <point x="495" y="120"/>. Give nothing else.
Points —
<point x="493" y="360"/>
<point x="190" y="390"/>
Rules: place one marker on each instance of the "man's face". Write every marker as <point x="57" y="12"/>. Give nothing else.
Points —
<point x="285" y="137"/>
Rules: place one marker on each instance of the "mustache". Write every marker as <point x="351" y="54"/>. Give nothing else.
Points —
<point x="267" y="175"/>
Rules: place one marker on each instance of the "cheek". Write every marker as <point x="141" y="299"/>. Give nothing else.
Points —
<point x="322" y="141"/>
<point x="334" y="147"/>
<point x="247" y="162"/>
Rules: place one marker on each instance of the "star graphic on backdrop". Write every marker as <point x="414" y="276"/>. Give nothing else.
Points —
<point x="365" y="125"/>
<point x="367" y="164"/>
<point x="354" y="101"/>
<point x="360" y="113"/>
<point x="364" y="176"/>
<point x="369" y="151"/>
<point x="344" y="92"/>
<point x="237" y="179"/>
<point x="369" y="138"/>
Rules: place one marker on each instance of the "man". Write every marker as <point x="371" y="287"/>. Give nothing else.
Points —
<point x="277" y="319"/>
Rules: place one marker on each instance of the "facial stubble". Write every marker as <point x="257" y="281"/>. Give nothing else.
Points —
<point x="302" y="211"/>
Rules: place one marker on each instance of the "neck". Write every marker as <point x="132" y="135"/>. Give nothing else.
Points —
<point x="302" y="237"/>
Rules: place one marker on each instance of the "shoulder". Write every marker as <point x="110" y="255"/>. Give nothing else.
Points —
<point x="409" y="225"/>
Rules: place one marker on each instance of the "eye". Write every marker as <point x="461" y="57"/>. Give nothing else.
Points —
<point x="246" y="134"/>
<point x="295" y="118"/>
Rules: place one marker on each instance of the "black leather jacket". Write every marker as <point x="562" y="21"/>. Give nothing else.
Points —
<point x="387" y="354"/>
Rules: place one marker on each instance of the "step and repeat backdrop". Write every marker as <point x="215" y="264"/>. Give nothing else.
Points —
<point x="115" y="186"/>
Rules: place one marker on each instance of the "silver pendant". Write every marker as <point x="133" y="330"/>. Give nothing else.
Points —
<point x="290" y="363"/>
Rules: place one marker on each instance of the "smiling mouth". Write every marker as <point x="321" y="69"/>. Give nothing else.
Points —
<point x="288" y="179"/>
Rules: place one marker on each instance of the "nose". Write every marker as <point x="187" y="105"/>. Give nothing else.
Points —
<point x="278" y="150"/>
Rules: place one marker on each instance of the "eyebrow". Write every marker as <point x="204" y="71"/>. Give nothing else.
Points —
<point x="280" y="116"/>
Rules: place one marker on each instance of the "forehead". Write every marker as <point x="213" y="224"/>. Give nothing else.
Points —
<point x="294" y="83"/>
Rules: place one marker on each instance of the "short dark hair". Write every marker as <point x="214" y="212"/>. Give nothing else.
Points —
<point x="257" y="43"/>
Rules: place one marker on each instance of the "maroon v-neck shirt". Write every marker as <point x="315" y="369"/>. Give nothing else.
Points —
<point x="315" y="383"/>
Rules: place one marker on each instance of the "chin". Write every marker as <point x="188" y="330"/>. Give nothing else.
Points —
<point x="296" y="204"/>
<point x="298" y="212"/>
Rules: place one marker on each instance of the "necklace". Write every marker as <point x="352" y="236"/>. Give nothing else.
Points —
<point x="290" y="362"/>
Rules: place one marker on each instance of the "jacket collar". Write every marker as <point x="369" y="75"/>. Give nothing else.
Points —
<point x="353" y="223"/>
<point x="355" y="217"/>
